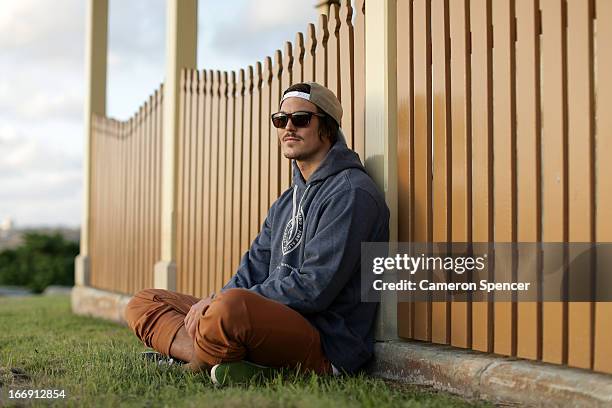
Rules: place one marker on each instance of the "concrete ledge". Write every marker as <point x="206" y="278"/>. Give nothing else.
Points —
<point x="98" y="303"/>
<point x="482" y="376"/>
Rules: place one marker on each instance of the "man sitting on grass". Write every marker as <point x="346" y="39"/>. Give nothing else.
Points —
<point x="295" y="300"/>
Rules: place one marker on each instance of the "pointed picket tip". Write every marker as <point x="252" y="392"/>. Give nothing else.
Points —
<point x="249" y="78"/>
<point x="311" y="39"/>
<point x="257" y="79"/>
<point x="299" y="50"/>
<point x="267" y="73"/>
<point x="323" y="30"/>
<point x="278" y="63"/>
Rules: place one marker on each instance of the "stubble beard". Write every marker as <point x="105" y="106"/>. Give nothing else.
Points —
<point x="295" y="156"/>
<point x="299" y="156"/>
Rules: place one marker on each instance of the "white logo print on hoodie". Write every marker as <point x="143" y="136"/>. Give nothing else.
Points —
<point x="294" y="230"/>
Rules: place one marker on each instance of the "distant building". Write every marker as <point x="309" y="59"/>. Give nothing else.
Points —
<point x="7" y="225"/>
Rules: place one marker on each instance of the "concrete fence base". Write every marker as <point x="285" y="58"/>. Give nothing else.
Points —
<point x="98" y="303"/>
<point x="483" y="376"/>
<point x="467" y="373"/>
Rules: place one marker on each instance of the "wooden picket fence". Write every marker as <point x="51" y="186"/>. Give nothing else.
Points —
<point x="125" y="214"/>
<point x="503" y="136"/>
<point x="231" y="167"/>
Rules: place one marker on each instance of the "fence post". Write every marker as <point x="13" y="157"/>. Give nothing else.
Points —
<point x="381" y="127"/>
<point x="95" y="103"/>
<point x="181" y="52"/>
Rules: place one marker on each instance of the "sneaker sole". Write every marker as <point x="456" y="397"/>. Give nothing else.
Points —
<point x="213" y="375"/>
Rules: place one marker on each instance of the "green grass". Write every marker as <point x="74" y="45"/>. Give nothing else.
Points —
<point x="97" y="363"/>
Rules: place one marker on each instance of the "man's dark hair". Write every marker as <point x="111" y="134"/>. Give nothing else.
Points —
<point x="327" y="125"/>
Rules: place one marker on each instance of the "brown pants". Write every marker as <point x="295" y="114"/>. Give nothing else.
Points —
<point x="238" y="325"/>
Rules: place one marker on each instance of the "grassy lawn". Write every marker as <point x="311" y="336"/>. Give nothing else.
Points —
<point x="44" y="346"/>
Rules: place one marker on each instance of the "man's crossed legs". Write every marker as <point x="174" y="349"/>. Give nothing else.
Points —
<point x="238" y="325"/>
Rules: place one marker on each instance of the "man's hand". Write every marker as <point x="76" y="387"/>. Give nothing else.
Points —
<point x="196" y="311"/>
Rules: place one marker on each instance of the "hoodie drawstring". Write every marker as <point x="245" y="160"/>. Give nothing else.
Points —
<point x="295" y="211"/>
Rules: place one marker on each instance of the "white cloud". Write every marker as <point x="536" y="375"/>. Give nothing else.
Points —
<point x="251" y="31"/>
<point x="36" y="177"/>
<point x="41" y="65"/>
<point x="272" y="14"/>
<point x="41" y="29"/>
<point x="137" y="29"/>
<point x="30" y="101"/>
<point x="136" y="51"/>
<point x="42" y="83"/>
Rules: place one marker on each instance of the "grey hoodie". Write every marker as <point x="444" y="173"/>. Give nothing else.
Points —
<point x="307" y="255"/>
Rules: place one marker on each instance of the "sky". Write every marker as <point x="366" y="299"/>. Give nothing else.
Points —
<point x="42" y="45"/>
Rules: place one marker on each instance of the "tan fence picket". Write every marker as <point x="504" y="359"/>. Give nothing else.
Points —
<point x="266" y="170"/>
<point x="276" y="159"/>
<point x="130" y="204"/>
<point x="183" y="178"/>
<point x="238" y="193"/>
<point x="333" y="51"/>
<point x="206" y="285"/>
<point x="192" y="150"/>
<point x="221" y="183"/>
<point x="198" y="253"/>
<point x="504" y="171"/>
<point x="140" y="190"/>
<point x="581" y="162"/>
<point x="214" y="184"/>
<point x="299" y="53"/>
<point x="322" y="34"/>
<point x="157" y="175"/>
<point x="230" y="166"/>
<point x="441" y="144"/>
<point x="246" y="164"/>
<point x="422" y="147"/>
<point x="290" y="67"/>
<point x="255" y="174"/>
<point x="554" y="163"/>
<point x="95" y="200"/>
<point x="461" y="169"/>
<point x="358" y="141"/>
<point x="145" y="196"/>
<point x="195" y="150"/>
<point x="346" y="68"/>
<point x="482" y="156"/>
<point x="310" y="57"/>
<point x="603" y="310"/>
<point x="405" y="144"/>
<point x="180" y="185"/>
<point x="528" y="173"/>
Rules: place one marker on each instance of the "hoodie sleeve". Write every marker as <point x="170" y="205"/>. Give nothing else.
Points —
<point x="255" y="263"/>
<point x="331" y="256"/>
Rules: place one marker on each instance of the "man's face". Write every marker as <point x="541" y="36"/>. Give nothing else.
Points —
<point x="301" y="143"/>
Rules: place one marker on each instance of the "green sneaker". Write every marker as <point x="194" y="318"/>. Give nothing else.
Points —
<point x="240" y="372"/>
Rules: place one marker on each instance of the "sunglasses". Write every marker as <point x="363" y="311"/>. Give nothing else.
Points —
<point x="299" y="119"/>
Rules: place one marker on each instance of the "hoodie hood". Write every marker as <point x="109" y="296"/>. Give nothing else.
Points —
<point x="339" y="158"/>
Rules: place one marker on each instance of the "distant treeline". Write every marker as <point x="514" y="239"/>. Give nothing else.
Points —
<point x="41" y="260"/>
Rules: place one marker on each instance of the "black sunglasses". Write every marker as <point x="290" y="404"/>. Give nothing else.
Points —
<point x="299" y="119"/>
